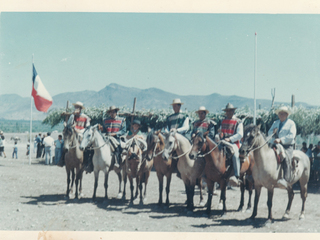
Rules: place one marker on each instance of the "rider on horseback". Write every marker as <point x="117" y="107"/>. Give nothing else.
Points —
<point x="231" y="132"/>
<point x="204" y="125"/>
<point x="284" y="131"/>
<point x="115" y="126"/>
<point x="81" y="121"/>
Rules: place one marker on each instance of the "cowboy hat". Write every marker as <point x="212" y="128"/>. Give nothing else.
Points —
<point x="202" y="109"/>
<point x="283" y="109"/>
<point x="112" y="108"/>
<point x="1" y="132"/>
<point x="176" y="101"/>
<point x="79" y="104"/>
<point x="229" y="107"/>
<point x="136" y="121"/>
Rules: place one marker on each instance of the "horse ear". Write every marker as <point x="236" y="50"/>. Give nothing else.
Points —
<point x="64" y="124"/>
<point x="259" y="126"/>
<point x="149" y="129"/>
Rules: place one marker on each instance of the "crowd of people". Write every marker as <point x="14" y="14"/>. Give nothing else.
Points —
<point x="314" y="155"/>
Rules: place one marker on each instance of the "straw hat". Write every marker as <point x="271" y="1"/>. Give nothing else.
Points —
<point x="112" y="108"/>
<point x="283" y="109"/>
<point x="176" y="101"/>
<point x="202" y="109"/>
<point x="229" y="107"/>
<point x="79" y="104"/>
<point x="1" y="132"/>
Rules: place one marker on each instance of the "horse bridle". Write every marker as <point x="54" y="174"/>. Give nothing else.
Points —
<point x="255" y="139"/>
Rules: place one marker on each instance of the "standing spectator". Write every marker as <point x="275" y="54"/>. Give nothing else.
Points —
<point x="304" y="147"/>
<point x="309" y="154"/>
<point x="316" y="162"/>
<point x="2" y="143"/>
<point x="38" y="140"/>
<point x="35" y="144"/>
<point x="42" y="146"/>
<point x="48" y="142"/>
<point x="58" y="150"/>
<point x="15" y="149"/>
<point x="28" y="148"/>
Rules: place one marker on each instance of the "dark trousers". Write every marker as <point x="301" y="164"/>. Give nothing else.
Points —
<point x="39" y="150"/>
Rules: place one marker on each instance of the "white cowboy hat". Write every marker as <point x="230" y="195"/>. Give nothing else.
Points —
<point x="112" y="108"/>
<point x="202" y="109"/>
<point x="1" y="132"/>
<point x="80" y="104"/>
<point x="229" y="107"/>
<point x="283" y="109"/>
<point x="176" y="101"/>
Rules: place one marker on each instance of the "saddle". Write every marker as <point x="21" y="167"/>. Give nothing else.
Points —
<point x="281" y="154"/>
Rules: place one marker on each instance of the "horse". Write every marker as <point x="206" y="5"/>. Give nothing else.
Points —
<point x="103" y="159"/>
<point x="267" y="171"/>
<point x="190" y="170"/>
<point x="136" y="166"/>
<point x="156" y="144"/>
<point x="73" y="158"/>
<point x="216" y="169"/>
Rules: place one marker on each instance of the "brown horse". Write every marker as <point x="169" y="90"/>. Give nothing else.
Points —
<point x="267" y="171"/>
<point x="136" y="166"/>
<point x="73" y="159"/>
<point x="245" y="171"/>
<point x="155" y="142"/>
<point x="190" y="170"/>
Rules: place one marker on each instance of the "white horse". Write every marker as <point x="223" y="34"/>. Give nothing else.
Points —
<point x="267" y="171"/>
<point x="103" y="159"/>
<point x="190" y="170"/>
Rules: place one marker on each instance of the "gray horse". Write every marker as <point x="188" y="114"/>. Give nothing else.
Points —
<point x="266" y="170"/>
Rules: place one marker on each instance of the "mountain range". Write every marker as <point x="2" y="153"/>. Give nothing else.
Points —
<point x="15" y="107"/>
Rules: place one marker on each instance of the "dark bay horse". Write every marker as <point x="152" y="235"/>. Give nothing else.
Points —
<point x="190" y="170"/>
<point x="73" y="159"/>
<point x="156" y="144"/>
<point x="267" y="171"/>
<point x="136" y="166"/>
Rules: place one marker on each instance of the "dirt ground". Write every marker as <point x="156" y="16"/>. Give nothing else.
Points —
<point x="32" y="199"/>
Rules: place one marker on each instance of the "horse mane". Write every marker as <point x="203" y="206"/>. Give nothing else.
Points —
<point x="150" y="137"/>
<point x="252" y="127"/>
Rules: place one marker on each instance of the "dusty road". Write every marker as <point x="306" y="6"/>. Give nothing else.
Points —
<point x="32" y="199"/>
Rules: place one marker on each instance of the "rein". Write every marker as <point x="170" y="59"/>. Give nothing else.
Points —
<point x="154" y="151"/>
<point x="205" y="154"/>
<point x="183" y="153"/>
<point x="267" y="140"/>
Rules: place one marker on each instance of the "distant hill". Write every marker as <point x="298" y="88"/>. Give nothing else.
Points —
<point x="13" y="106"/>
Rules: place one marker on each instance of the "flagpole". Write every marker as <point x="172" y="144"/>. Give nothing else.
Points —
<point x="31" y="118"/>
<point x="255" y="77"/>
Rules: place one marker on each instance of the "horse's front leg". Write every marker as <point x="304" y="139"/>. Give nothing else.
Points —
<point x="106" y="177"/>
<point x="223" y="187"/>
<point x="96" y="177"/>
<point x="210" y="185"/>
<point x="169" y="175"/>
<point x="146" y="178"/>
<point x="160" y="179"/>
<point x="202" y="202"/>
<point x="140" y="189"/>
<point x="124" y="176"/>
<point x="137" y="186"/>
<point x="119" y="196"/>
<point x="269" y="203"/>
<point x="290" y="198"/>
<point x="131" y="190"/>
<point x="77" y="183"/>
<point x="68" y="183"/>
<point x="242" y="189"/>
<point x="256" y="201"/>
<point x="72" y="180"/>
<point x="250" y="186"/>
<point x="303" y="193"/>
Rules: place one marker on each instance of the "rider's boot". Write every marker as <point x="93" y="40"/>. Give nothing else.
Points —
<point x="118" y="159"/>
<point x="61" y="161"/>
<point x="283" y="182"/>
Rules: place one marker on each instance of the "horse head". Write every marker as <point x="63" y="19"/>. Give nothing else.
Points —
<point x="68" y="135"/>
<point x="88" y="135"/>
<point x="197" y="144"/>
<point x="249" y="141"/>
<point x="153" y="142"/>
<point x="134" y="157"/>
<point x="170" y="146"/>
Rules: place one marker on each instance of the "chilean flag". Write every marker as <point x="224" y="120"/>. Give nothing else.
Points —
<point x="42" y="98"/>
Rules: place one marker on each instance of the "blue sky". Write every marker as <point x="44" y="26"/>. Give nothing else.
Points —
<point x="186" y="54"/>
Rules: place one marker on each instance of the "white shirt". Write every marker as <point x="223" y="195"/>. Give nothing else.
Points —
<point x="48" y="141"/>
<point x="287" y="133"/>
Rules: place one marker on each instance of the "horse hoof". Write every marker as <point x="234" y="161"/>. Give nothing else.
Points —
<point x="119" y="196"/>
<point x="141" y="203"/>
<point x="202" y="203"/>
<point x="268" y="223"/>
<point x="130" y="204"/>
<point x="220" y="206"/>
<point x="301" y="217"/>
<point x="189" y="213"/>
<point x="285" y="216"/>
<point x="240" y="209"/>
<point x="66" y="197"/>
<point x="249" y="210"/>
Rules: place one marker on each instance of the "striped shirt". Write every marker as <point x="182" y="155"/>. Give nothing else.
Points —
<point x="114" y="125"/>
<point x="82" y="121"/>
<point x="204" y="126"/>
<point x="233" y="129"/>
<point x="179" y="121"/>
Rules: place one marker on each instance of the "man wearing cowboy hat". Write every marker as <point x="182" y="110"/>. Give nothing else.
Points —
<point x="178" y="121"/>
<point x="204" y="125"/>
<point x="81" y="121"/>
<point x="284" y="131"/>
<point x="232" y="131"/>
<point x="114" y="126"/>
